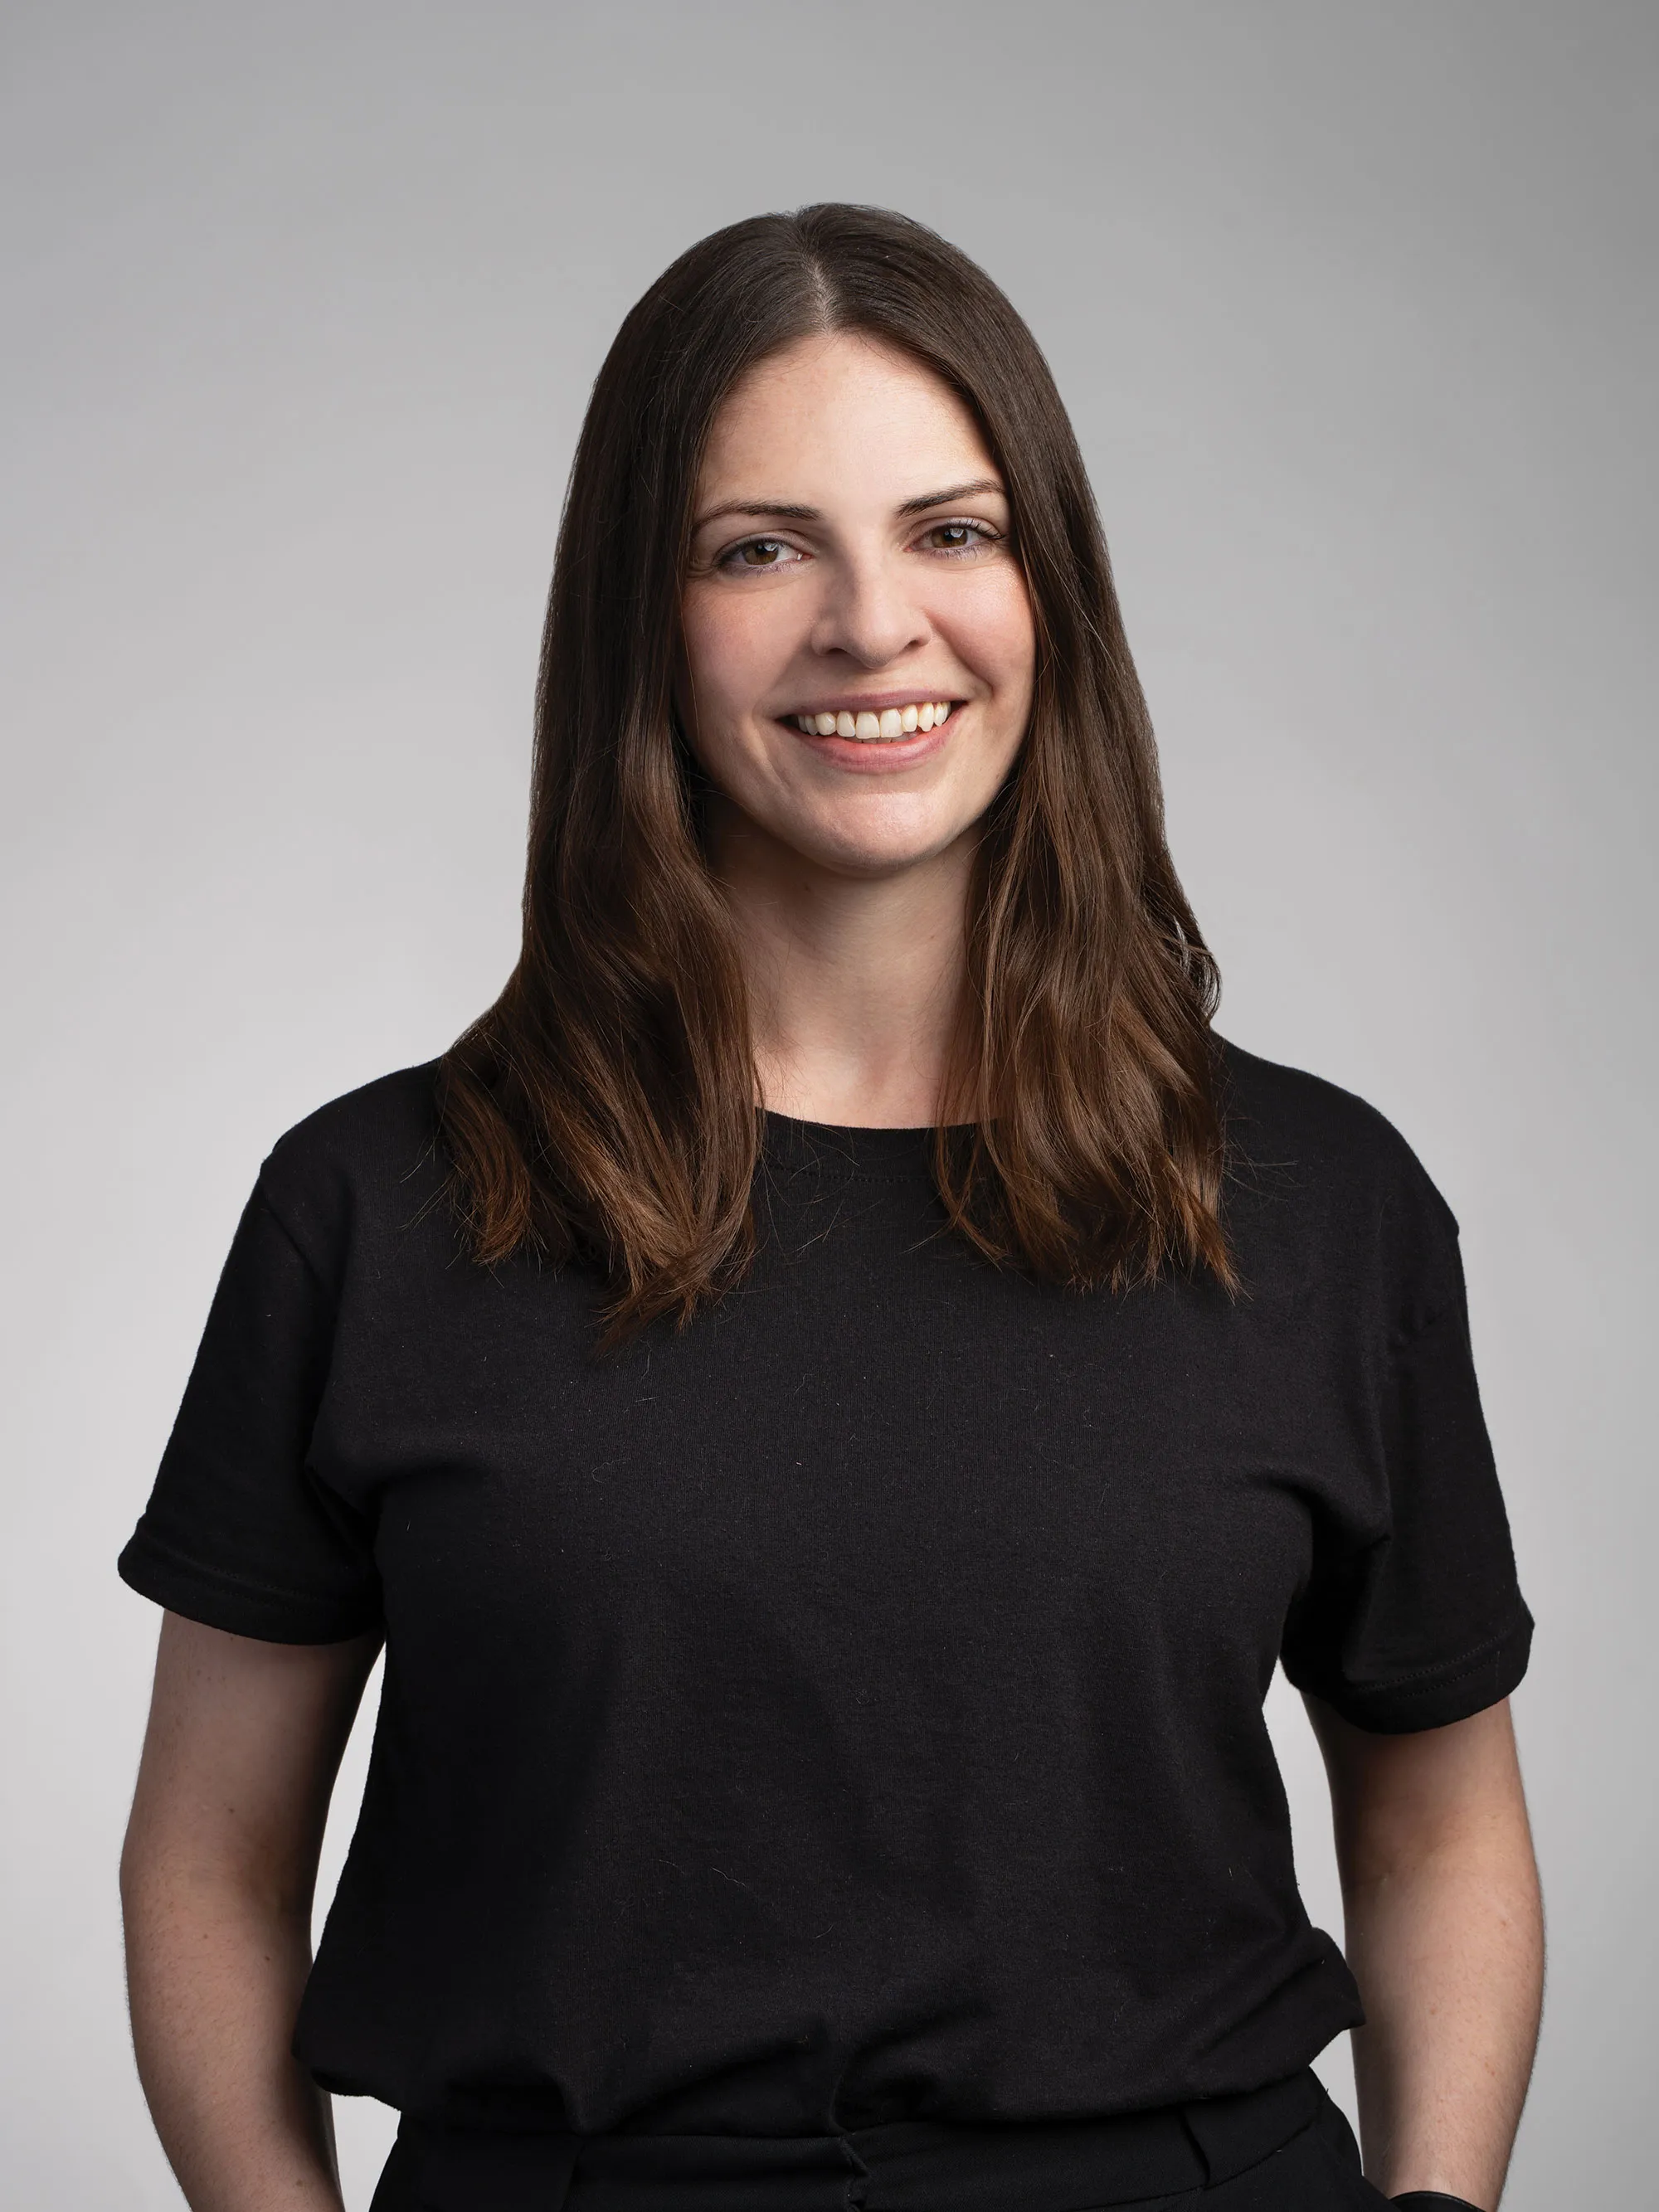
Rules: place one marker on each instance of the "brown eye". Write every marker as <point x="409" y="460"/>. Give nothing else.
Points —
<point x="759" y="556"/>
<point x="958" y="536"/>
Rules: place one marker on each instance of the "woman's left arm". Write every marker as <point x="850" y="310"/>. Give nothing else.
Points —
<point x="1445" y="1936"/>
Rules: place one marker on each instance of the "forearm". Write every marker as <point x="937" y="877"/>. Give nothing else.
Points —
<point x="215" y="1978"/>
<point x="1448" y="1951"/>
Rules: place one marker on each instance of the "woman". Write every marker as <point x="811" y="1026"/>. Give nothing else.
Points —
<point x="835" y="1395"/>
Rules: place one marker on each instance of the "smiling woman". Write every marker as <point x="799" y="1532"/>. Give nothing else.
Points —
<point x="876" y="622"/>
<point x="831" y="461"/>
<point x="857" y="691"/>
<point x="837" y="1393"/>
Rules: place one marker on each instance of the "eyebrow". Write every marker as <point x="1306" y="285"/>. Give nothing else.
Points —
<point x="784" y="511"/>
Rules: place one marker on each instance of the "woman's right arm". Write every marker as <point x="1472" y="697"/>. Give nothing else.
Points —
<point x="244" y="1741"/>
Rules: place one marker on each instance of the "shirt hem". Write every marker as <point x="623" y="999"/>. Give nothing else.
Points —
<point x="220" y="1600"/>
<point x="1435" y="1697"/>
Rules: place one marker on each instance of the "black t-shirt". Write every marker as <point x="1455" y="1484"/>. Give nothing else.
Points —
<point x="850" y="1709"/>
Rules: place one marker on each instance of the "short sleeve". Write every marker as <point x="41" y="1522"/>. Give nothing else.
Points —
<point x="239" y="1533"/>
<point x="1423" y="1624"/>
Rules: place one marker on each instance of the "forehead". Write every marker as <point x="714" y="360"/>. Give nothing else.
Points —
<point x="840" y="412"/>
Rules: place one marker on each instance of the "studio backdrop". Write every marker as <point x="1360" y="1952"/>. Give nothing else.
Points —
<point x="1353" y="308"/>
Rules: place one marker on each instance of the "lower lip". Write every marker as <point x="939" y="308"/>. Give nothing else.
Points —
<point x="879" y="756"/>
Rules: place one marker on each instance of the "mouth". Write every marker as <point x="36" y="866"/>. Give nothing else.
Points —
<point x="871" y="724"/>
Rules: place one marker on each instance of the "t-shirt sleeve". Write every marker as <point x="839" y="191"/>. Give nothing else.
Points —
<point x="239" y="1533"/>
<point x="1418" y="1619"/>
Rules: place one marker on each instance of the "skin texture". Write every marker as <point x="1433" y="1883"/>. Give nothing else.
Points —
<point x="847" y="872"/>
<point x="244" y="1741"/>
<point x="1445" y="1934"/>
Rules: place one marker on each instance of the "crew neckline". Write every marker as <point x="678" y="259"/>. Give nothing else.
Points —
<point x="852" y="1147"/>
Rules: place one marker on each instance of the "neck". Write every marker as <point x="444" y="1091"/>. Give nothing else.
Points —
<point x="855" y="981"/>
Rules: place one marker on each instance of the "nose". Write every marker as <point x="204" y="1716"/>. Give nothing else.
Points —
<point x="867" y="612"/>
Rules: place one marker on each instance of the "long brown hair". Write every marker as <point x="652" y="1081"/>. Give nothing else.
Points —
<point x="605" y="1106"/>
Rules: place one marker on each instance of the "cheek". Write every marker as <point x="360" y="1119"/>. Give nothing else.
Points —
<point x="725" y="668"/>
<point x="705" y="654"/>
<point x="734" y="646"/>
<point x="992" y="631"/>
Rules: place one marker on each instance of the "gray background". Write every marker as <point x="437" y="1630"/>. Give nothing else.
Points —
<point x="1354" y="310"/>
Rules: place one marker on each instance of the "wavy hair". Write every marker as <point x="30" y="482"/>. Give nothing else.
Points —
<point x="604" y="1107"/>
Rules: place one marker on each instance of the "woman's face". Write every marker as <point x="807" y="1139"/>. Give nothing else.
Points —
<point x="858" y="642"/>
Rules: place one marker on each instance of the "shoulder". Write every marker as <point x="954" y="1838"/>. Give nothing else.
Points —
<point x="1314" y="1167"/>
<point x="379" y="1124"/>
<point x="1283" y="1116"/>
<point x="370" y="1159"/>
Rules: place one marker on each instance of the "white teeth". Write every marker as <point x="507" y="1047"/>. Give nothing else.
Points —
<point x="868" y="726"/>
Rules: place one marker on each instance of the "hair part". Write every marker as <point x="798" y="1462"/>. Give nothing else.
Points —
<point x="604" y="1107"/>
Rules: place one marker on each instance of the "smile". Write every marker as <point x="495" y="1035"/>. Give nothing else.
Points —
<point x="867" y="728"/>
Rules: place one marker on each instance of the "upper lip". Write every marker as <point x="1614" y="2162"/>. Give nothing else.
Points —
<point x="873" y="705"/>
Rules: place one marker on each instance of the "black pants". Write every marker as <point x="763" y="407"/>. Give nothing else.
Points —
<point x="1285" y="2148"/>
<point x="1317" y="2171"/>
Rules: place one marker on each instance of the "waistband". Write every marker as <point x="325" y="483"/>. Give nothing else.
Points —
<point x="905" y="2167"/>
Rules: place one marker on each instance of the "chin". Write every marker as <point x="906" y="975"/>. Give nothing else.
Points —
<point x="854" y="855"/>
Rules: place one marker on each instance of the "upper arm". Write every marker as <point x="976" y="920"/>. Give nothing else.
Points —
<point x="244" y="1741"/>
<point x="1399" y="1798"/>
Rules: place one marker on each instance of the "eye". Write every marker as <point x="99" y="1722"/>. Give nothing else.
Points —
<point x="959" y="536"/>
<point x="753" y="554"/>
